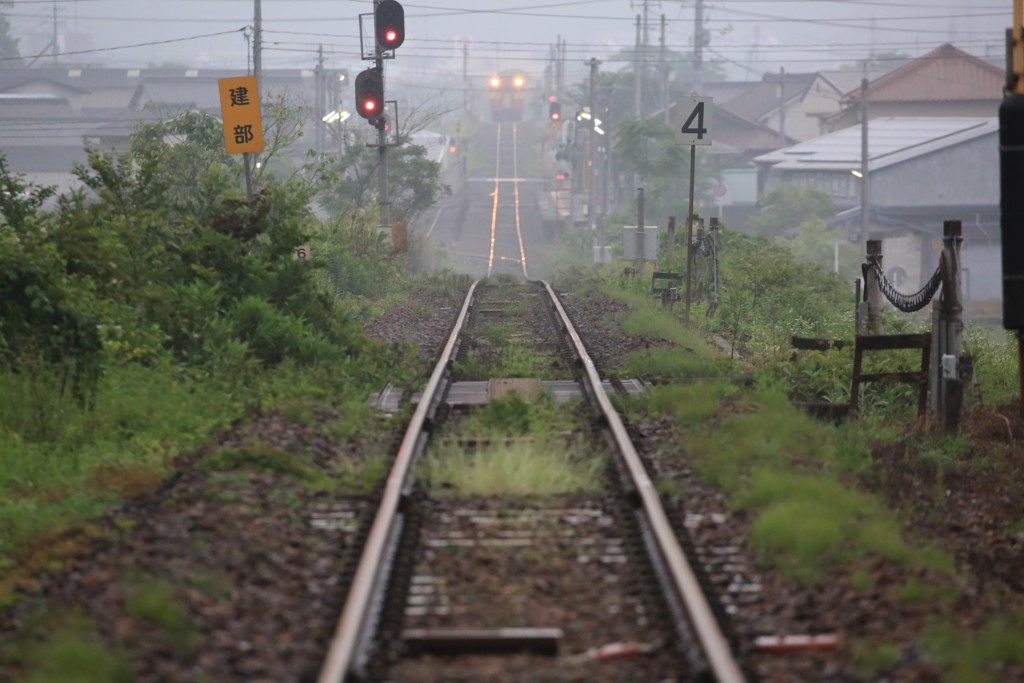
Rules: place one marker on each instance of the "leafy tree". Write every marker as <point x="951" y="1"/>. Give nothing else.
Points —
<point x="768" y="295"/>
<point x="9" y="53"/>
<point x="413" y="181"/>
<point x="786" y="207"/>
<point x="648" y="148"/>
<point x="817" y="244"/>
<point x="45" y="315"/>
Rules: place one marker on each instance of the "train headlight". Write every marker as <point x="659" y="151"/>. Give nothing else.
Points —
<point x="518" y="82"/>
<point x="495" y="82"/>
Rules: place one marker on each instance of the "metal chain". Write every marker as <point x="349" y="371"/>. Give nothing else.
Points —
<point x="908" y="303"/>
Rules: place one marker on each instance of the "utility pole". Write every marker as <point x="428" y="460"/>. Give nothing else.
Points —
<point x="321" y="97"/>
<point x="637" y="73"/>
<point x="782" y="106"/>
<point x="56" y="37"/>
<point x="592" y="144"/>
<point x="465" y="76"/>
<point x="698" y="47"/>
<point x="606" y="170"/>
<point x="664" y="72"/>
<point x="382" y="141"/>
<point x="561" y="68"/>
<point x="865" y="181"/>
<point x="257" y="65"/>
<point x="257" y="46"/>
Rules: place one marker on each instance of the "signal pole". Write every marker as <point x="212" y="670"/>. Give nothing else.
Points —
<point x="591" y="144"/>
<point x="385" y="200"/>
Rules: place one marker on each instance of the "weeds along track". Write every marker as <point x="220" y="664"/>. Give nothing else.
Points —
<point x="519" y="537"/>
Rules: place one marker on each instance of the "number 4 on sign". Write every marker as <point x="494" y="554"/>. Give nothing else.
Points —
<point x="696" y="128"/>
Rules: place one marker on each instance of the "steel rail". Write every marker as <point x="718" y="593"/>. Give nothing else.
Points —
<point x="684" y="581"/>
<point x="353" y="627"/>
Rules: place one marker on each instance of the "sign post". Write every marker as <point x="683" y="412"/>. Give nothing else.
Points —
<point x="696" y="130"/>
<point x="243" y="126"/>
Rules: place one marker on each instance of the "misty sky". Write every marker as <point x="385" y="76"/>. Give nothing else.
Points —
<point x="752" y="36"/>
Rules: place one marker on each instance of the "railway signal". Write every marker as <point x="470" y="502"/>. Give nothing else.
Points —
<point x="370" y="94"/>
<point x="555" y="110"/>
<point x="389" y="24"/>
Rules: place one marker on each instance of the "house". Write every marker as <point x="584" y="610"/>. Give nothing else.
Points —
<point x="49" y="114"/>
<point x="944" y="82"/>
<point x="787" y="103"/>
<point x="921" y="172"/>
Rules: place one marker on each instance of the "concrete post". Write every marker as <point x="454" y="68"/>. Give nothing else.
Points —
<point x="954" y="382"/>
<point x="671" y="239"/>
<point x="873" y="290"/>
<point x="639" y="232"/>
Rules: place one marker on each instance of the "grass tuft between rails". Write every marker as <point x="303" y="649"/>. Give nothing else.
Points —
<point x="513" y="446"/>
<point x="514" y="469"/>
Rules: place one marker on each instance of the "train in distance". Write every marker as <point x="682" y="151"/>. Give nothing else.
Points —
<point x="508" y="96"/>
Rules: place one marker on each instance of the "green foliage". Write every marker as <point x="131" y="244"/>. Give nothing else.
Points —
<point x="872" y="660"/>
<point x="414" y="182"/>
<point x="8" y="45"/>
<point x="262" y="457"/>
<point x="688" y="403"/>
<point x="815" y="243"/>
<point x="648" y="148"/>
<point x="980" y="657"/>
<point x="994" y="354"/>
<point x="788" y="207"/>
<point x="357" y="260"/>
<point x="156" y="601"/>
<point x="46" y="316"/>
<point x="72" y="652"/>
<point x="515" y="468"/>
<point x="769" y="296"/>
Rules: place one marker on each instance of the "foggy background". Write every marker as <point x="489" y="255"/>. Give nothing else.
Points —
<point x="749" y="37"/>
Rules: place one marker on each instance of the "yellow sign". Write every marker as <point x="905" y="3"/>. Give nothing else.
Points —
<point x="1018" y="46"/>
<point x="240" y="110"/>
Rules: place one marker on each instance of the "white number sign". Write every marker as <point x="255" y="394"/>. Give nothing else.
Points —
<point x="696" y="128"/>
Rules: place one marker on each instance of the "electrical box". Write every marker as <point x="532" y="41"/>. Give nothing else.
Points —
<point x="630" y="238"/>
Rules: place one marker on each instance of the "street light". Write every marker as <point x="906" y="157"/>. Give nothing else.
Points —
<point x="337" y="117"/>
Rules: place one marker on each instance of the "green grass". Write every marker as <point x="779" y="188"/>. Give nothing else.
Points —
<point x="688" y="404"/>
<point x="513" y="446"/>
<point x="62" y="464"/>
<point x="979" y="657"/>
<point x="72" y="652"/>
<point x="156" y="601"/>
<point x="672" y="362"/>
<point x="516" y="468"/>
<point x="872" y="660"/>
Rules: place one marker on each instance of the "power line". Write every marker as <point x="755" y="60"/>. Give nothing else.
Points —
<point x="127" y="47"/>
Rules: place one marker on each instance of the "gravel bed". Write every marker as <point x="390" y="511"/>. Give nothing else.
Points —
<point x="256" y="569"/>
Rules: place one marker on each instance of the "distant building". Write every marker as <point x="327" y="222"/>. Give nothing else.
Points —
<point x="48" y="114"/>
<point x="921" y="171"/>
<point x="944" y="82"/>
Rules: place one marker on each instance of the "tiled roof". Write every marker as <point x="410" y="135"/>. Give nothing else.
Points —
<point x="763" y="98"/>
<point x="945" y="74"/>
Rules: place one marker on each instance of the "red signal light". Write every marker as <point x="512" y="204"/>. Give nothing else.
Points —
<point x="389" y="24"/>
<point x="451" y="149"/>
<point x="369" y="94"/>
<point x="554" y="110"/>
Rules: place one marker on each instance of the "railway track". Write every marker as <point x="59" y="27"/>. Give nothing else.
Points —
<point x="589" y="585"/>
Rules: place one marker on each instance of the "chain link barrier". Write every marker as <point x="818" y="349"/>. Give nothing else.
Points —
<point x="908" y="303"/>
<point x="704" y="282"/>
